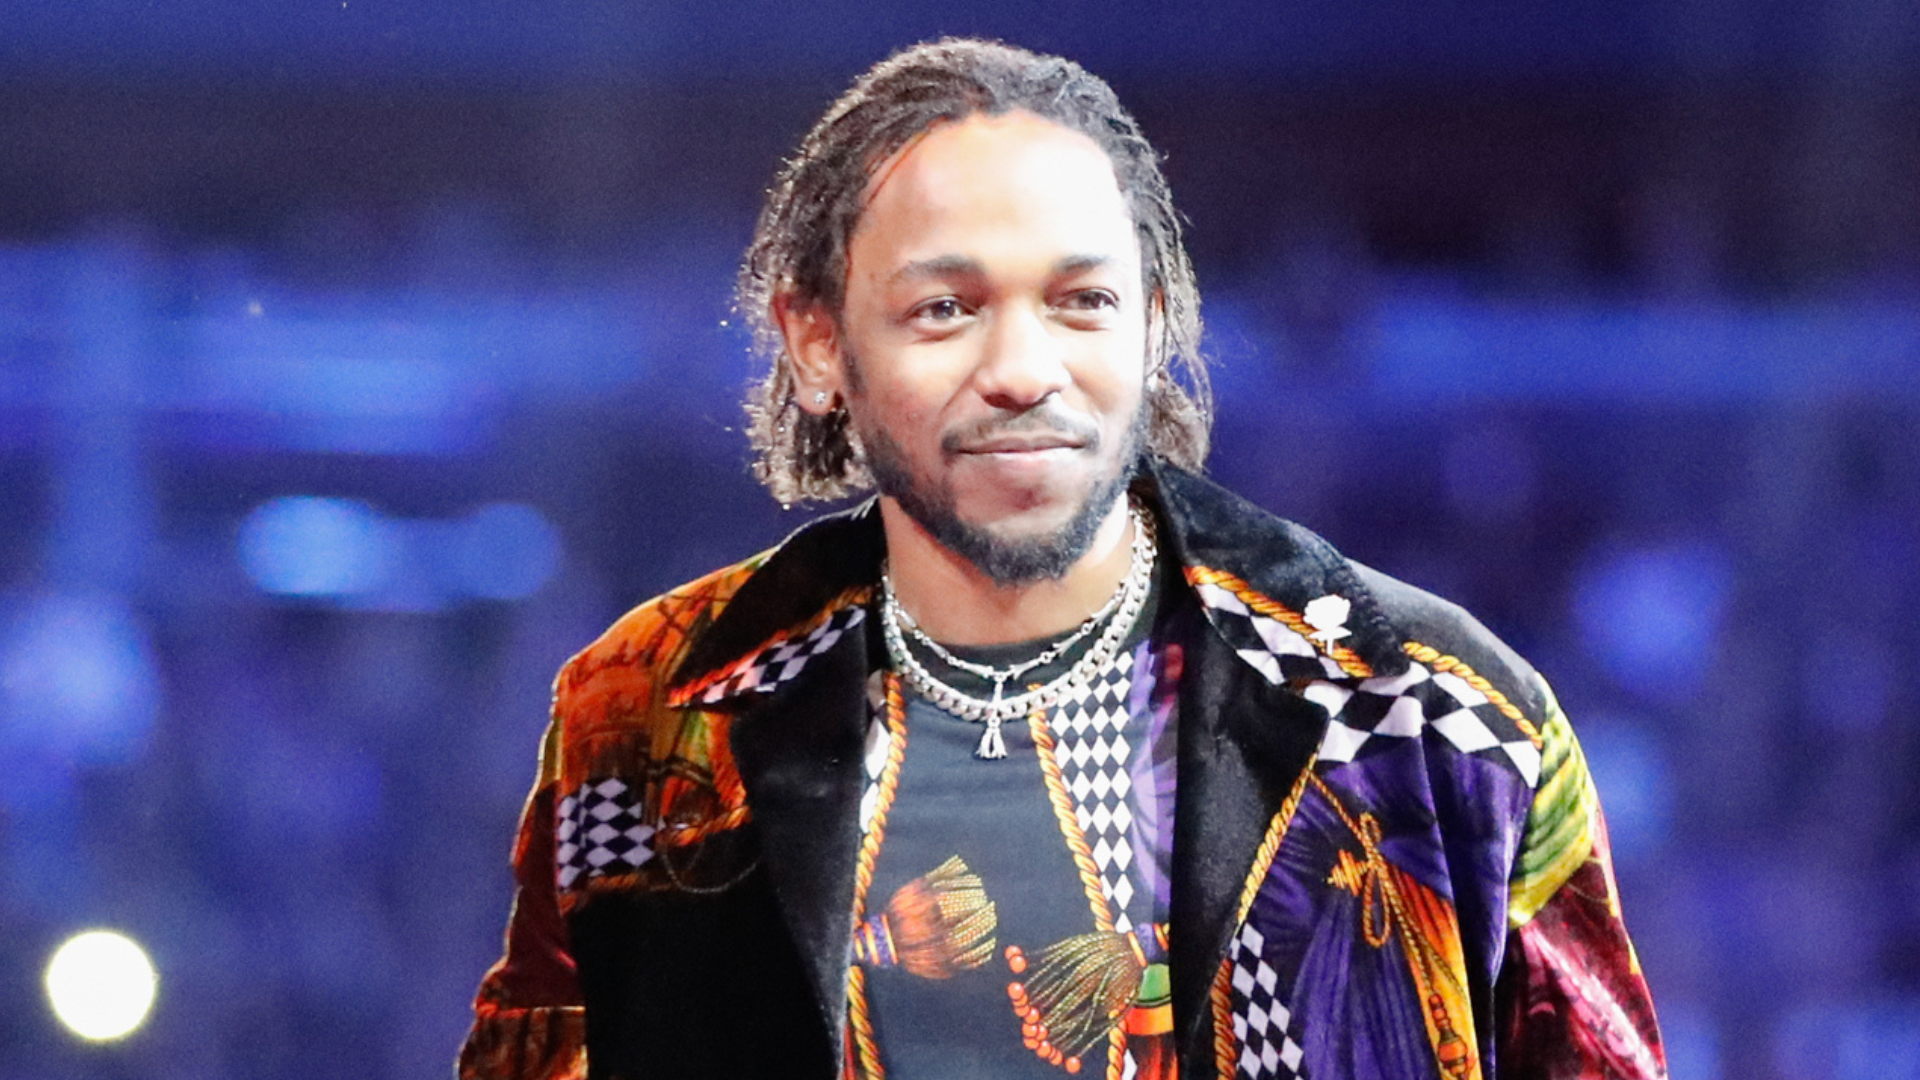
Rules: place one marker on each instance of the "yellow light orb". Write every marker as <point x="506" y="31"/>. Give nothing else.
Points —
<point x="101" y="985"/>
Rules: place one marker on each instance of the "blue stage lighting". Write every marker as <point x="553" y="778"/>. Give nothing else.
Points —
<point x="304" y="545"/>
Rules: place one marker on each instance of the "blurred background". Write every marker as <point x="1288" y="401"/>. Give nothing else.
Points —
<point x="360" y="360"/>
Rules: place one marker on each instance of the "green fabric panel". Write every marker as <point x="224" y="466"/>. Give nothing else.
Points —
<point x="1559" y="824"/>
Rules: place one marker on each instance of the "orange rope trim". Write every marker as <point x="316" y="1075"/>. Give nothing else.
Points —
<point x="866" y="1050"/>
<point x="1348" y="660"/>
<point x="865" y="1046"/>
<point x="1439" y="661"/>
<point x="1225" y="1054"/>
<point x="693" y="834"/>
<point x="1062" y="801"/>
<point x="1276" y="833"/>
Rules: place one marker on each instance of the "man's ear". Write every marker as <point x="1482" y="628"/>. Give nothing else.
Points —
<point x="813" y="350"/>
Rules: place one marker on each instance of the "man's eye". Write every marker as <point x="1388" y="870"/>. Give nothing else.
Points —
<point x="1092" y="300"/>
<point x="942" y="310"/>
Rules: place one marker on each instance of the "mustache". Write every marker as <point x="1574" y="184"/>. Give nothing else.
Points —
<point x="1047" y="419"/>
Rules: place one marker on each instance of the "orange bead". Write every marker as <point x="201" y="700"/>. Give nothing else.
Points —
<point x="1073" y="1065"/>
<point x="1013" y="951"/>
<point x="1045" y="1049"/>
<point x="1017" y="963"/>
<point x="1043" y="1032"/>
<point x="1016" y="991"/>
<point x="1032" y="1043"/>
<point x="1054" y="1056"/>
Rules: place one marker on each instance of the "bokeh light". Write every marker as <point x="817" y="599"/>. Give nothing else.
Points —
<point x="101" y="985"/>
<point x="1653" y="613"/>
<point x="78" y="679"/>
<point x="505" y="551"/>
<point x="303" y="545"/>
<point x="341" y="550"/>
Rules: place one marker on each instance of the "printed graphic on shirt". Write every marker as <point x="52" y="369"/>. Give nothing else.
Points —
<point x="935" y="926"/>
<point x="1037" y="944"/>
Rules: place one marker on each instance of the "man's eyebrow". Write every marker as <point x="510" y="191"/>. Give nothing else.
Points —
<point x="1080" y="264"/>
<point x="940" y="266"/>
<point x="945" y="266"/>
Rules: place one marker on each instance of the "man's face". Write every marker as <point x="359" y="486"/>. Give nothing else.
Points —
<point x="993" y="341"/>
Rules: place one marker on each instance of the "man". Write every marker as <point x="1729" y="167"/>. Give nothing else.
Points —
<point x="1054" y="758"/>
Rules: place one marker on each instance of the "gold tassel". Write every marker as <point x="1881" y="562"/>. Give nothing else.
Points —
<point x="1078" y="989"/>
<point x="935" y="926"/>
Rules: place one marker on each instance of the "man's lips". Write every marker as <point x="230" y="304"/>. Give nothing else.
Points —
<point x="1021" y="444"/>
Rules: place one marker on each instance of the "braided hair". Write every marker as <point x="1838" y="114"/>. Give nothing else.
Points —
<point x="799" y="249"/>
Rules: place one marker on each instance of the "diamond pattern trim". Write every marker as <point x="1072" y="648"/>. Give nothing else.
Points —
<point x="1092" y="750"/>
<point x="598" y="831"/>
<point x="1365" y="716"/>
<point x="1262" y="1024"/>
<point x="780" y="661"/>
<point x="874" y="760"/>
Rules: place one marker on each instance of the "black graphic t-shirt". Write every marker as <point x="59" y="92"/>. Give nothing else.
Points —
<point x="1012" y="912"/>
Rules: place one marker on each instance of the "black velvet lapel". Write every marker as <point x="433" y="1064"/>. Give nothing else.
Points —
<point x="1237" y="760"/>
<point x="807" y="572"/>
<point x="798" y="748"/>
<point x="1243" y="741"/>
<point x="799" y="755"/>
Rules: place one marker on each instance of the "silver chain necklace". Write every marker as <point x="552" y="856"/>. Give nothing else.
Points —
<point x="1119" y="612"/>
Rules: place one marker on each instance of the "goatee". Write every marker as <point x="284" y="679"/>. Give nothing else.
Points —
<point x="1005" y="561"/>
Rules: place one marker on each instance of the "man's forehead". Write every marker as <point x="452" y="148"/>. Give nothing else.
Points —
<point x="1013" y="178"/>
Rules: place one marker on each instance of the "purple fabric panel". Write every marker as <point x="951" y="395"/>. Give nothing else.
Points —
<point x="1391" y="784"/>
<point x="1354" y="1005"/>
<point x="1484" y="803"/>
<point x="1155" y="694"/>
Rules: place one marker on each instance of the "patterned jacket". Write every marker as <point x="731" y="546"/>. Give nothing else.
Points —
<point x="1389" y="859"/>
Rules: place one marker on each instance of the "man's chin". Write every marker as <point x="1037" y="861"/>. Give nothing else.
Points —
<point x="1015" y="533"/>
<point x="1019" y="544"/>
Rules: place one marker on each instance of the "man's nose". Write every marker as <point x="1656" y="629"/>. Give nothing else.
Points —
<point x="1024" y="361"/>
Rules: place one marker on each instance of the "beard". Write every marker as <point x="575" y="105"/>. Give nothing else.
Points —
<point x="1006" y="561"/>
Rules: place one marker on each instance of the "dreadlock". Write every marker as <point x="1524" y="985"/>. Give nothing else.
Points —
<point x="799" y="248"/>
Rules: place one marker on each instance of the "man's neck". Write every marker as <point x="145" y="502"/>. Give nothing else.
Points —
<point x="957" y="604"/>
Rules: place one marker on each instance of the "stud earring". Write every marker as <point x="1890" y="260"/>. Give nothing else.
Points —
<point x="819" y="397"/>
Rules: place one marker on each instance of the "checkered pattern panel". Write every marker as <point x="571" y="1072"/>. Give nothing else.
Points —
<point x="782" y="660"/>
<point x="1274" y="649"/>
<point x="1366" y="715"/>
<point x="1090" y="745"/>
<point x="1262" y="1024"/>
<point x="879" y="745"/>
<point x="597" y="830"/>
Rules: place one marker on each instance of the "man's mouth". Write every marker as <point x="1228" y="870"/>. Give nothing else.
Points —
<point x="1022" y="443"/>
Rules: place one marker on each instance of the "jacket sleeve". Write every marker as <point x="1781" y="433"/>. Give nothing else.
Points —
<point x="529" y="1023"/>
<point x="1571" y="1002"/>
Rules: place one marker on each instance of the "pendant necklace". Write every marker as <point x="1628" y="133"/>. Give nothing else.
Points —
<point x="1118" y="615"/>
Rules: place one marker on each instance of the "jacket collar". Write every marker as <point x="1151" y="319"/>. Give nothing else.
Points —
<point x="1263" y="582"/>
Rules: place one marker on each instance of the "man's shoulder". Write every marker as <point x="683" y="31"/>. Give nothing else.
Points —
<point x="641" y="650"/>
<point x="693" y="644"/>
<point x="1367" y="623"/>
<point x="610" y="698"/>
<point x="1444" y="636"/>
